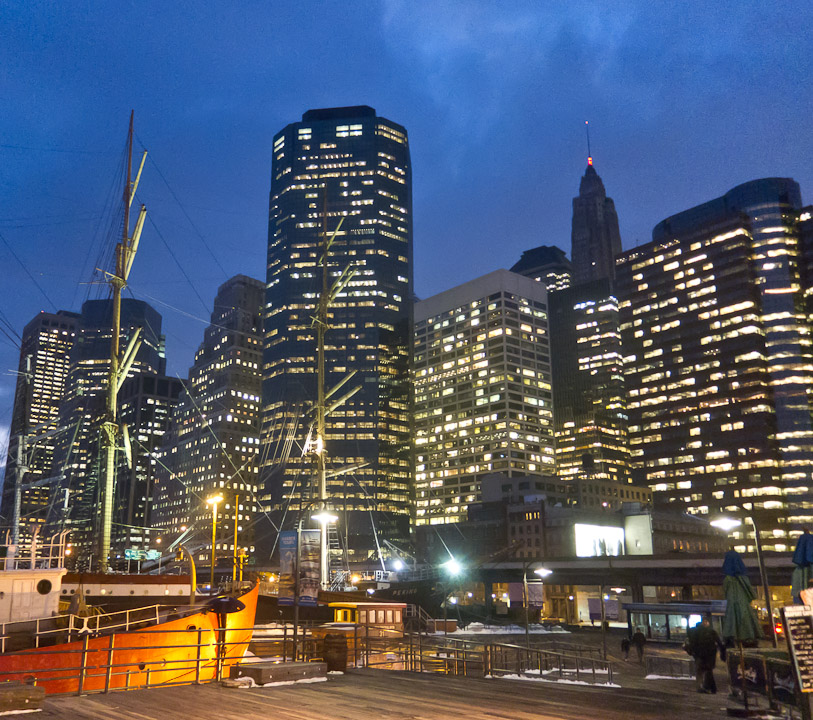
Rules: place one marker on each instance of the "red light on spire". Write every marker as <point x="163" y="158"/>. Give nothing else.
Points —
<point x="589" y="161"/>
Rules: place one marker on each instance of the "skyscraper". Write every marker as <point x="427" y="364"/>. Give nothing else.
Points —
<point x="595" y="239"/>
<point x="482" y="391"/>
<point x="73" y="503"/>
<point x="548" y="264"/>
<point x="719" y="363"/>
<point x="45" y="351"/>
<point x="213" y="443"/>
<point x="340" y="163"/>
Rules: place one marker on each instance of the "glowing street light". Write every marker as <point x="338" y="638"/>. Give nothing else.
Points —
<point x="542" y="572"/>
<point x="214" y="501"/>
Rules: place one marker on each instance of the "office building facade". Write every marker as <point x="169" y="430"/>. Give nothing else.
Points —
<point x="482" y="391"/>
<point x="213" y="443"/>
<point x="718" y="364"/>
<point x="546" y="264"/>
<point x="45" y="350"/>
<point x="344" y="164"/>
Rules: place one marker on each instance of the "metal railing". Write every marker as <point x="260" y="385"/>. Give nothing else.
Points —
<point x="38" y="555"/>
<point x="669" y="666"/>
<point x="44" y="632"/>
<point x="110" y="666"/>
<point x="502" y="659"/>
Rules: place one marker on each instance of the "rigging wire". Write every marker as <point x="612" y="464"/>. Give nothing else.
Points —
<point x="31" y="277"/>
<point x="183" y="210"/>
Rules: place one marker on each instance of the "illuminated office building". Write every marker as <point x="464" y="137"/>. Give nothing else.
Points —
<point x="214" y="438"/>
<point x="482" y="391"/>
<point x="45" y="351"/>
<point x="74" y="502"/>
<point x="546" y="264"/>
<point x="718" y="363"/>
<point x="145" y="405"/>
<point x="590" y="418"/>
<point x="350" y="164"/>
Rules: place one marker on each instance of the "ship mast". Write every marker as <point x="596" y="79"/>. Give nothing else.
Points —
<point x="119" y="365"/>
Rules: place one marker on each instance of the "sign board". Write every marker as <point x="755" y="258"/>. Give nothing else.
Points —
<point x="798" y="620"/>
<point x="152" y="554"/>
<point x="134" y="554"/>
<point x="287" y="566"/>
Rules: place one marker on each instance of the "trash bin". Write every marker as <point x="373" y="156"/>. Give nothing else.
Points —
<point x="334" y="651"/>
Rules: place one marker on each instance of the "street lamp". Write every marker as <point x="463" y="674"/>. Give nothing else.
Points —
<point x="543" y="573"/>
<point x="214" y="501"/>
<point x="728" y="524"/>
<point x="454" y="568"/>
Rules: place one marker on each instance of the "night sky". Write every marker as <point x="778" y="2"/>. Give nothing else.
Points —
<point x="685" y="100"/>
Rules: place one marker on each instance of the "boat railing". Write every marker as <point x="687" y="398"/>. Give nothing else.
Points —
<point x="43" y="555"/>
<point x="43" y="632"/>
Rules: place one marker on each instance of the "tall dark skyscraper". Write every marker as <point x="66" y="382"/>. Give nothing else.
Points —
<point x="340" y="163"/>
<point x="214" y="438"/>
<point x="716" y="330"/>
<point x="590" y="420"/>
<point x="45" y="352"/>
<point x="73" y="504"/>
<point x="547" y="264"/>
<point x="595" y="239"/>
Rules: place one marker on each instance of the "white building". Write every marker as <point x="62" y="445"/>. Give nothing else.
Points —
<point x="482" y="391"/>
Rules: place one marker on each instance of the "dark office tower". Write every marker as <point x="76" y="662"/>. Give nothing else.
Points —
<point x="341" y="163"/>
<point x="547" y="264"/>
<point x="44" y="360"/>
<point x="718" y="360"/>
<point x="145" y="405"/>
<point x="74" y="503"/>
<point x="590" y="417"/>
<point x="595" y="240"/>
<point x="214" y="438"/>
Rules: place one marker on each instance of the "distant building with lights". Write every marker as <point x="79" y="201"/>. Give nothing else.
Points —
<point x="74" y="501"/>
<point x="715" y="322"/>
<point x="546" y="264"/>
<point x="212" y="446"/>
<point x="482" y="391"/>
<point x="353" y="165"/>
<point x="45" y="350"/>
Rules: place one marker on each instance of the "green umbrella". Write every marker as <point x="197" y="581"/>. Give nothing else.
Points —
<point x="740" y="622"/>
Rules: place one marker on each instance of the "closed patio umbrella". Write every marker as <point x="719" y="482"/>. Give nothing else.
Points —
<point x="740" y="623"/>
<point x="803" y="560"/>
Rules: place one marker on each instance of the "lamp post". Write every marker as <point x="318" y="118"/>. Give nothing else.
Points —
<point x="728" y="524"/>
<point x="543" y="573"/>
<point x="454" y="568"/>
<point x="214" y="501"/>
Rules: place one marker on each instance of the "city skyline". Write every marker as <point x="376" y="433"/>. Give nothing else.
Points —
<point x="670" y="128"/>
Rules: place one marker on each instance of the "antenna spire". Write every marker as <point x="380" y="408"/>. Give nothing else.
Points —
<point x="589" y="154"/>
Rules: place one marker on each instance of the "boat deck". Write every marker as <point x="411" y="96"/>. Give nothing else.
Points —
<point x="383" y="695"/>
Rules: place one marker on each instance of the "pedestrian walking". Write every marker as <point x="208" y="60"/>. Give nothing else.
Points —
<point x="703" y="644"/>
<point x="625" y="648"/>
<point x="639" y="640"/>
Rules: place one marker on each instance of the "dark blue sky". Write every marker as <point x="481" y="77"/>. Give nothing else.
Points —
<point x="685" y="100"/>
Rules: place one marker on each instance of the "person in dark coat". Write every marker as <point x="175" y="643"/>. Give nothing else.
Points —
<point x="703" y="645"/>
<point x="639" y="640"/>
<point x="625" y="648"/>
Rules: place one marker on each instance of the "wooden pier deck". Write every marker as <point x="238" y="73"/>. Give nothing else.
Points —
<point x="385" y="695"/>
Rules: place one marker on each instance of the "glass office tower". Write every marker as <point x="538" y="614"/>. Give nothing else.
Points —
<point x="718" y="361"/>
<point x="350" y="164"/>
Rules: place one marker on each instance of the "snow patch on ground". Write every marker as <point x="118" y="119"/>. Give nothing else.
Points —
<point x="481" y="629"/>
<point x="19" y="712"/>
<point x="247" y="682"/>
<point x="668" y="677"/>
<point x="547" y="680"/>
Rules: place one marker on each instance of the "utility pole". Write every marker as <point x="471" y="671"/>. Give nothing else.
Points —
<point x="119" y="366"/>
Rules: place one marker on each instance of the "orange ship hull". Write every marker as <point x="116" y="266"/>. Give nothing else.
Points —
<point x="183" y="650"/>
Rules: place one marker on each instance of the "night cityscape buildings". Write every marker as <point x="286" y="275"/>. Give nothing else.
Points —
<point x="351" y="165"/>
<point x="718" y="364"/>
<point x="482" y="391"/>
<point x="212" y="446"/>
<point x="73" y="501"/>
<point x="45" y="350"/>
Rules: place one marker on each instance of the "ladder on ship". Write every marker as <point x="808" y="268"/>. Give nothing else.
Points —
<point x="338" y="570"/>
